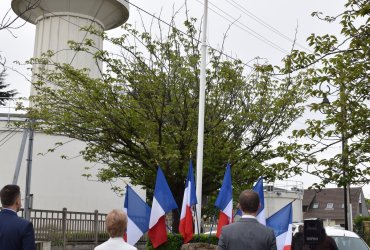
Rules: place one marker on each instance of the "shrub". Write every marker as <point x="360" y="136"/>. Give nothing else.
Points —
<point x="359" y="228"/>
<point x="175" y="241"/>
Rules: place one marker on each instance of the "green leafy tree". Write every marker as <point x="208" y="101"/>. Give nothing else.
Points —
<point x="144" y="109"/>
<point x="335" y="145"/>
<point x="4" y="94"/>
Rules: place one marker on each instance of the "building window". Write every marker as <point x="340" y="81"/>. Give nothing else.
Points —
<point x="329" y="205"/>
<point x="315" y="205"/>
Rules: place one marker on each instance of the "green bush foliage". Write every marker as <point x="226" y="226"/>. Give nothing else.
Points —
<point x="359" y="228"/>
<point x="175" y="241"/>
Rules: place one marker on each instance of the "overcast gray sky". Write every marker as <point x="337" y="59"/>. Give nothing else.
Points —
<point x="262" y="28"/>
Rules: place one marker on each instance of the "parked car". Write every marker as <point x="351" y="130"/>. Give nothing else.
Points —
<point x="346" y="240"/>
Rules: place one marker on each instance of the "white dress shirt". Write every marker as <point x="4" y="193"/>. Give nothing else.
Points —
<point x="116" y="243"/>
<point x="248" y="216"/>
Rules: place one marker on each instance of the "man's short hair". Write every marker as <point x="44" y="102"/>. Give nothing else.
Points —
<point x="249" y="201"/>
<point x="116" y="223"/>
<point x="9" y="195"/>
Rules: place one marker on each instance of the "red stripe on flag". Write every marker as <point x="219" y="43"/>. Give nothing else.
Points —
<point x="158" y="233"/>
<point x="223" y="220"/>
<point x="287" y="247"/>
<point x="186" y="225"/>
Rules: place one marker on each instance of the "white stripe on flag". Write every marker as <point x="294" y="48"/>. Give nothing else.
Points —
<point x="288" y="239"/>
<point x="280" y="241"/>
<point x="284" y="239"/>
<point x="133" y="232"/>
<point x="261" y="217"/>
<point x="156" y="213"/>
<point x="229" y="210"/>
<point x="185" y="201"/>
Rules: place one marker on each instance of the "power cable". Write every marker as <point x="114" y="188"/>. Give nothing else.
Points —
<point x="184" y="33"/>
<point x="87" y="31"/>
<point x="9" y="136"/>
<point x="263" y="23"/>
<point x="245" y="28"/>
<point x="178" y="30"/>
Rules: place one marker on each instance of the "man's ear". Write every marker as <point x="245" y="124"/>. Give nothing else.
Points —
<point x="259" y="206"/>
<point x="18" y="202"/>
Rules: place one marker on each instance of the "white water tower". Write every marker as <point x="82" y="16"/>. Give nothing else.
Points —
<point x="60" y="21"/>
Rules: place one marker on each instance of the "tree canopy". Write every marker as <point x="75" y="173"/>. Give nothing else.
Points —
<point x="144" y="110"/>
<point x="335" y="146"/>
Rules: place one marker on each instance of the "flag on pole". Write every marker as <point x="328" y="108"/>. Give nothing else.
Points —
<point x="138" y="213"/>
<point x="281" y="223"/>
<point x="261" y="218"/>
<point x="258" y="188"/>
<point x="224" y="202"/>
<point x="163" y="202"/>
<point x="189" y="200"/>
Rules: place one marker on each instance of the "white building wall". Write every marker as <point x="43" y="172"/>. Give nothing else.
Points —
<point x="277" y="199"/>
<point x="57" y="183"/>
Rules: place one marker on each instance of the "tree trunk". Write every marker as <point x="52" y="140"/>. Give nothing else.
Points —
<point x="178" y="193"/>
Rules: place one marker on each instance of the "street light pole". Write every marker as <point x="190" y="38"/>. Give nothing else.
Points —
<point x="344" y="158"/>
<point x="345" y="163"/>
<point x="345" y="187"/>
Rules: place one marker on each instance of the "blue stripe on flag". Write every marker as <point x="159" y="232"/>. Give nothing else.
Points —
<point x="163" y="194"/>
<point x="137" y="210"/>
<point x="280" y="220"/>
<point x="193" y="195"/>
<point x="226" y="193"/>
<point x="259" y="189"/>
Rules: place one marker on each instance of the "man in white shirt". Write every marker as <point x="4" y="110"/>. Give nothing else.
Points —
<point x="116" y="224"/>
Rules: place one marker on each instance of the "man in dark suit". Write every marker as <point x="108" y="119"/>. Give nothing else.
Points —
<point x="15" y="233"/>
<point x="247" y="233"/>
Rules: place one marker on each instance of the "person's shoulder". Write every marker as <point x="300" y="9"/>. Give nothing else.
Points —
<point x="23" y="221"/>
<point x="130" y="247"/>
<point x="127" y="246"/>
<point x="100" y="247"/>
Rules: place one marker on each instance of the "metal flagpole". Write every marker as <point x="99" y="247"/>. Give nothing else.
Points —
<point x="202" y="85"/>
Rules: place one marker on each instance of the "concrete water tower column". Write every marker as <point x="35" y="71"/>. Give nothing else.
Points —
<point x="60" y="21"/>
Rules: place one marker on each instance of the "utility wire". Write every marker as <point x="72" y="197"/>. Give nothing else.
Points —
<point x="263" y="23"/>
<point x="87" y="31"/>
<point x="184" y="33"/>
<point x="10" y="132"/>
<point x="244" y="27"/>
<point x="9" y="136"/>
<point x="178" y="30"/>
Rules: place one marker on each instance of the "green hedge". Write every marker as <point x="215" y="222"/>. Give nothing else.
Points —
<point x="175" y="241"/>
<point x="359" y="227"/>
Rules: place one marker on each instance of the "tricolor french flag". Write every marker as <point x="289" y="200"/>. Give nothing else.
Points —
<point x="261" y="211"/>
<point x="261" y="218"/>
<point x="138" y="213"/>
<point x="189" y="200"/>
<point x="281" y="223"/>
<point x="224" y="202"/>
<point x="163" y="202"/>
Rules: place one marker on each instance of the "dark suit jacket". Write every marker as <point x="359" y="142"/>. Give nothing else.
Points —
<point x="247" y="234"/>
<point x="15" y="233"/>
